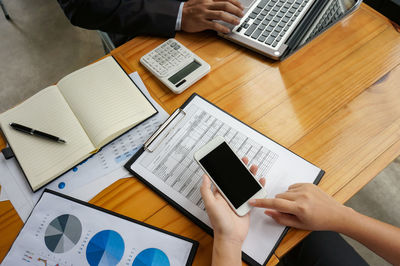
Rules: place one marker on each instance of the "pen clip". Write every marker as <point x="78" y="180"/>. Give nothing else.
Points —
<point x="161" y="133"/>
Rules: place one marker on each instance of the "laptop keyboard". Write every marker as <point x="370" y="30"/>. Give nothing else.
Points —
<point x="271" y="19"/>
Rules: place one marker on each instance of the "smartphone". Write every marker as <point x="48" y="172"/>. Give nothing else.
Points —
<point x="229" y="174"/>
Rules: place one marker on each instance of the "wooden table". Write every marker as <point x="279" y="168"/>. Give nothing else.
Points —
<point x="335" y="103"/>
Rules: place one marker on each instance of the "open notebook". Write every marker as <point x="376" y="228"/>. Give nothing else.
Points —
<point x="88" y="108"/>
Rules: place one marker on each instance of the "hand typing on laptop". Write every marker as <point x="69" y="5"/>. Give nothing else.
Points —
<point x="199" y="15"/>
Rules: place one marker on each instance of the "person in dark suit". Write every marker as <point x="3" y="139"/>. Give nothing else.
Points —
<point x="125" y="19"/>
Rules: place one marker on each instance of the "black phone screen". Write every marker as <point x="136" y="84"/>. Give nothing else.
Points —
<point x="229" y="173"/>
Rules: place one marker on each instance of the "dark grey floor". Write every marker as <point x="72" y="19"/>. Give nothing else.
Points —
<point x="39" y="47"/>
<point x="379" y="199"/>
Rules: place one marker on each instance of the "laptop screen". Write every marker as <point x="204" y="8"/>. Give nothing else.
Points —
<point x="322" y="15"/>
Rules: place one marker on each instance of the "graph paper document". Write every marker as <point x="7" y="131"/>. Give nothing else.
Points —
<point x="63" y="231"/>
<point x="167" y="165"/>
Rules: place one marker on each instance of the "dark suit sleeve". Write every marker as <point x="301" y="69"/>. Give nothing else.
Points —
<point x="127" y="17"/>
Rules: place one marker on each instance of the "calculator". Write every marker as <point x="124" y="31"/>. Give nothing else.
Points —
<point x="175" y="65"/>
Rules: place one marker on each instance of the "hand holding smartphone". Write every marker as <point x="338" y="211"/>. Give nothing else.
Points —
<point x="230" y="175"/>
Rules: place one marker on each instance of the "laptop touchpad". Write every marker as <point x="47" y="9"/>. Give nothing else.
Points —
<point x="246" y="3"/>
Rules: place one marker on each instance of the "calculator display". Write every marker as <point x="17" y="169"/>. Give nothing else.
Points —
<point x="184" y="72"/>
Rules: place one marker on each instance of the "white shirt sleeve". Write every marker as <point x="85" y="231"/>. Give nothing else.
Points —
<point x="179" y="18"/>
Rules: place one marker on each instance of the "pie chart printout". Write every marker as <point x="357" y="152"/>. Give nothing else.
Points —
<point x="151" y="257"/>
<point x="63" y="233"/>
<point x="105" y="248"/>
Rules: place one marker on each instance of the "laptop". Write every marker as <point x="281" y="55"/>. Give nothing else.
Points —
<point x="277" y="28"/>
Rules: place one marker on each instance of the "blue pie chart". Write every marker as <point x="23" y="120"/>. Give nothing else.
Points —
<point x="106" y="248"/>
<point x="151" y="257"/>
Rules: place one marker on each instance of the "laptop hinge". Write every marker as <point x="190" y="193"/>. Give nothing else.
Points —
<point x="302" y="28"/>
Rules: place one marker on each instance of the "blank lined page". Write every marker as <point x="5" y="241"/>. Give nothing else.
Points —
<point x="105" y="100"/>
<point x="42" y="159"/>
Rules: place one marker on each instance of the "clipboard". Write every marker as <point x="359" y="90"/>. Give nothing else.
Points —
<point x="80" y="244"/>
<point x="166" y="131"/>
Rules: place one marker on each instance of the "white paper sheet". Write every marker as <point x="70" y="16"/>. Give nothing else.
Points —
<point x="64" y="232"/>
<point x="91" y="176"/>
<point x="3" y="194"/>
<point x="172" y="169"/>
<point x="18" y="190"/>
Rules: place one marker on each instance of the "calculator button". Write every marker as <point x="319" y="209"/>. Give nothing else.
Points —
<point x="173" y="62"/>
<point x="185" y="54"/>
<point x="168" y="65"/>
<point x="159" y="49"/>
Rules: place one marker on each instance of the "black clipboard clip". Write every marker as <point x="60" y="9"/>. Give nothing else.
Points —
<point x="8" y="153"/>
<point x="161" y="133"/>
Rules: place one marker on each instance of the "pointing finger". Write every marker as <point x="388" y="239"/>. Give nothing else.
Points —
<point x="280" y="205"/>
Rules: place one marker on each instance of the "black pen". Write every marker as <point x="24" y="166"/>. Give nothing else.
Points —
<point x="38" y="133"/>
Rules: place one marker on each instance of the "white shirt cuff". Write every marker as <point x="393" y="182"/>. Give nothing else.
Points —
<point x="179" y="18"/>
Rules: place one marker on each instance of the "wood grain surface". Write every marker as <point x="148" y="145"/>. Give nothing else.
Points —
<point x="334" y="102"/>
